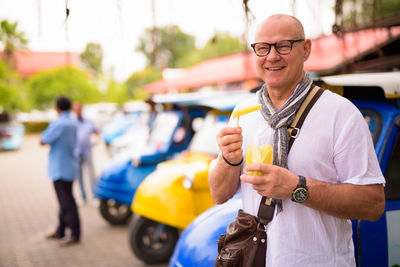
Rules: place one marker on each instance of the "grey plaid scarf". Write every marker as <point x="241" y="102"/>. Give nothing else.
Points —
<point x="279" y="120"/>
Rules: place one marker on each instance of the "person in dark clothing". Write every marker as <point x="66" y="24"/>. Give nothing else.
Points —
<point x="61" y="135"/>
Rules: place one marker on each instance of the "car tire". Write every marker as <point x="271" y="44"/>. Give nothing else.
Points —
<point x="150" y="241"/>
<point x="113" y="212"/>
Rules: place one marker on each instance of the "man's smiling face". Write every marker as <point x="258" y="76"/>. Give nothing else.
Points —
<point x="282" y="71"/>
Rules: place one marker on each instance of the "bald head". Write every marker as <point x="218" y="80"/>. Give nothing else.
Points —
<point x="281" y="71"/>
<point x="290" y="23"/>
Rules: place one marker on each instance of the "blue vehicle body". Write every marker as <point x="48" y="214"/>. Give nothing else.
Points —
<point x="13" y="138"/>
<point x="118" y="126"/>
<point x="12" y="133"/>
<point x="376" y="243"/>
<point x="121" y="178"/>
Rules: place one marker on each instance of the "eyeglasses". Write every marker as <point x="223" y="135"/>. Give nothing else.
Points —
<point x="283" y="47"/>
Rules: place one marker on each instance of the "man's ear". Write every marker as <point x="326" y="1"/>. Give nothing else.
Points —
<point x="307" y="49"/>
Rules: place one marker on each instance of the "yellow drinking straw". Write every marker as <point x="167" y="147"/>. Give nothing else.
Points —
<point x="239" y="112"/>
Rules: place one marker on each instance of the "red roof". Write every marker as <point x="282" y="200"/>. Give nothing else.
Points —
<point x="28" y="63"/>
<point x="327" y="54"/>
<point x="232" y="68"/>
<point x="331" y="52"/>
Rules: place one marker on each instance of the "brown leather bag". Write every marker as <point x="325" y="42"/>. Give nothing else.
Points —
<point x="244" y="243"/>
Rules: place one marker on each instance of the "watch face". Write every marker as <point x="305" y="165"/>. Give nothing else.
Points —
<point x="300" y="194"/>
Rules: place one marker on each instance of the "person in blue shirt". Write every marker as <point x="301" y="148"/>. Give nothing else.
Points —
<point x="61" y="135"/>
<point x="83" y="149"/>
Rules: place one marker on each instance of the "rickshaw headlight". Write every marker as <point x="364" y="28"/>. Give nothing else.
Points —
<point x="188" y="180"/>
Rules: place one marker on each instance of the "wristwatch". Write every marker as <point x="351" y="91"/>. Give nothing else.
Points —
<point x="300" y="193"/>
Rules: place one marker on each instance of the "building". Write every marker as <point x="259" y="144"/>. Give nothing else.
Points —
<point x="28" y="63"/>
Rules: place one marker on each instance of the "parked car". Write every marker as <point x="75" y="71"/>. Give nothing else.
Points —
<point x="12" y="133"/>
<point x="377" y="95"/>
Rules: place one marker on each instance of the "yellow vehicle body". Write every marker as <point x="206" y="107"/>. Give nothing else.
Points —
<point x="162" y="196"/>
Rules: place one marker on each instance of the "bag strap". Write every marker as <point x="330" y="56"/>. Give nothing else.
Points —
<point x="266" y="209"/>
<point x="312" y="96"/>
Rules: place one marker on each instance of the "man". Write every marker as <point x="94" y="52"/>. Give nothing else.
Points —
<point x="333" y="156"/>
<point x="62" y="170"/>
<point x="83" y="149"/>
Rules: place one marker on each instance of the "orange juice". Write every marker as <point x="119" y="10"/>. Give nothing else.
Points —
<point x="262" y="154"/>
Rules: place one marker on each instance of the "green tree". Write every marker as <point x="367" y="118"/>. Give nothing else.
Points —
<point x="12" y="91"/>
<point x="164" y="47"/>
<point x="46" y="86"/>
<point x="12" y="39"/>
<point x="138" y="80"/>
<point x="221" y="44"/>
<point x="356" y="13"/>
<point x="117" y="92"/>
<point x="92" y="57"/>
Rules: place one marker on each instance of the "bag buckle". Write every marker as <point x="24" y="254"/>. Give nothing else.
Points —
<point x="262" y="226"/>
<point x="294" y="132"/>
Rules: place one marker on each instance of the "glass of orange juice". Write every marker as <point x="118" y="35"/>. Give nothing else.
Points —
<point x="259" y="154"/>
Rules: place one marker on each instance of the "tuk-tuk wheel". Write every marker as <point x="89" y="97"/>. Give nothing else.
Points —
<point x="150" y="241"/>
<point x="113" y="212"/>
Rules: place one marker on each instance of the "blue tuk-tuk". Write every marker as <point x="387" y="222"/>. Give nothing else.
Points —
<point x="377" y="95"/>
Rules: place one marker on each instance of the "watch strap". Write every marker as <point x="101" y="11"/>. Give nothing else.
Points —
<point x="302" y="185"/>
<point x="302" y="182"/>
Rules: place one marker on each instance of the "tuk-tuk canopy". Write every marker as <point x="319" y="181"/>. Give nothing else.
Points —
<point x="388" y="81"/>
<point x="224" y="100"/>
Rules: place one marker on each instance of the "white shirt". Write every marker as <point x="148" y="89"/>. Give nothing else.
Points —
<point x="334" y="145"/>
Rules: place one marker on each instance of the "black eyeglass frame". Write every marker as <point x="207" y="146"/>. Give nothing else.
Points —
<point x="274" y="45"/>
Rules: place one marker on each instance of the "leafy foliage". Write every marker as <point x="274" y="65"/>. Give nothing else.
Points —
<point x="138" y="80"/>
<point x="92" y="57"/>
<point x="169" y="47"/>
<point x="12" y="39"/>
<point x="164" y="47"/>
<point x="363" y="12"/>
<point x="46" y="86"/>
<point x="175" y="49"/>
<point x="12" y="91"/>
<point x="221" y="44"/>
<point x="117" y="93"/>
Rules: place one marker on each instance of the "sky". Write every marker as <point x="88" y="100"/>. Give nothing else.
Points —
<point x="118" y="24"/>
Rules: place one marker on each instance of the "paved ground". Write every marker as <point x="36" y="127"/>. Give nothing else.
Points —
<point x="28" y="212"/>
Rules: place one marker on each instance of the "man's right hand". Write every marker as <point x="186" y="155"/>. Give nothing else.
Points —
<point x="230" y="141"/>
<point x="223" y="178"/>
